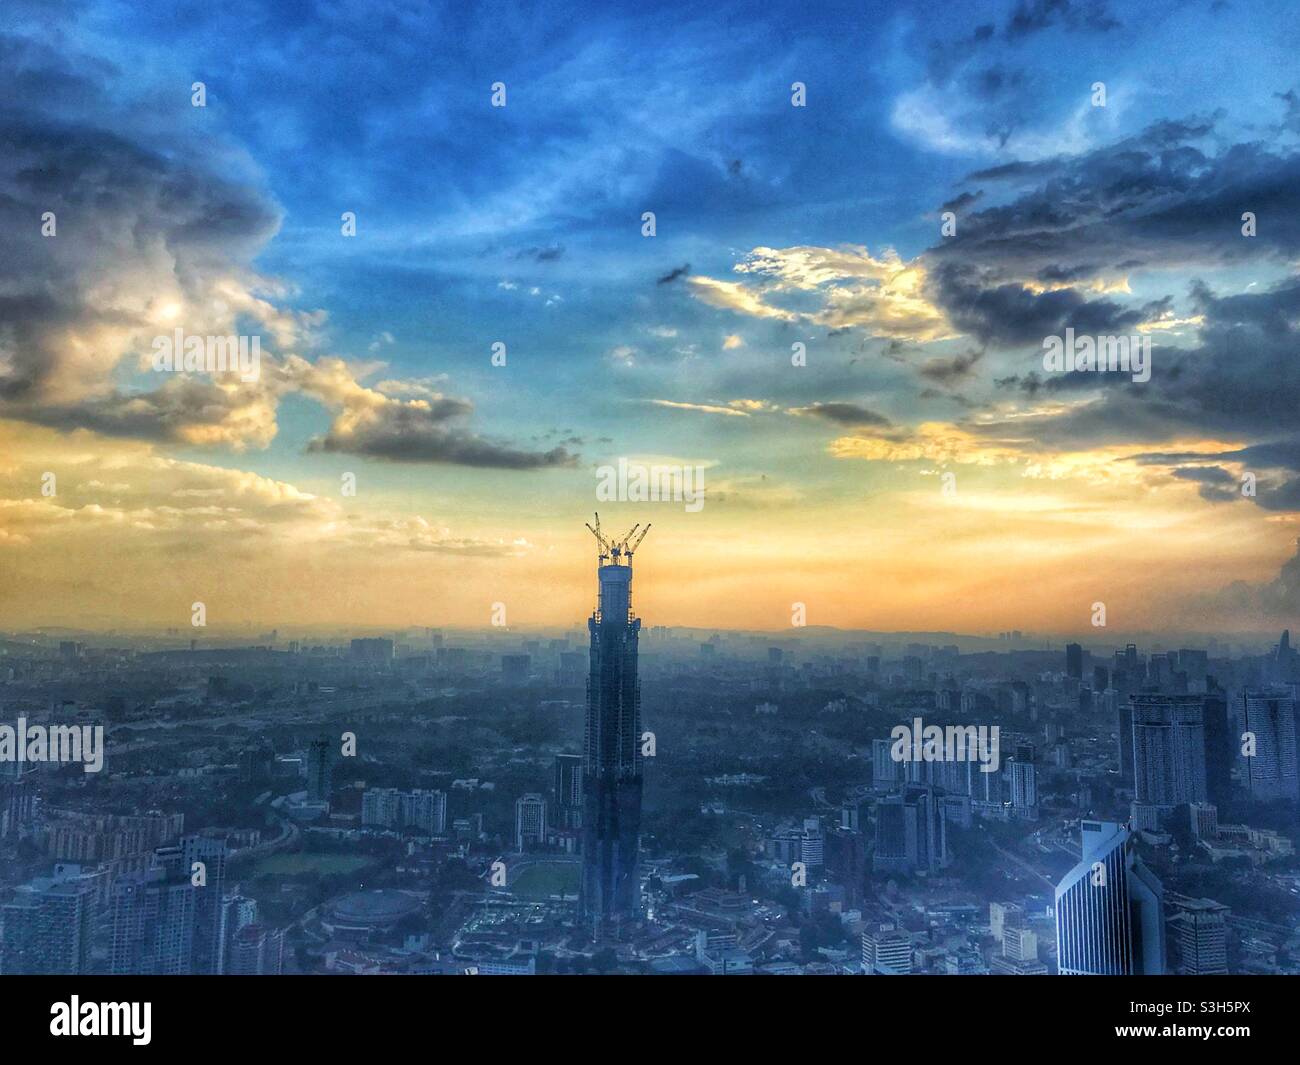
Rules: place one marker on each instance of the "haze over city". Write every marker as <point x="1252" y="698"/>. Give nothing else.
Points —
<point x="648" y="490"/>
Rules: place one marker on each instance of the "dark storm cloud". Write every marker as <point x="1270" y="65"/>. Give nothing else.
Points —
<point x="410" y="433"/>
<point x="132" y="223"/>
<point x="146" y="209"/>
<point x="958" y="203"/>
<point x="1029" y="383"/>
<point x="1213" y="475"/>
<point x="1242" y="380"/>
<point x="1245" y="376"/>
<point x="950" y="369"/>
<point x="177" y="412"/>
<point x="1029" y="17"/>
<point x="992" y="82"/>
<point x="1034" y="16"/>
<point x="851" y="414"/>
<point x="115" y="204"/>
<point x="1156" y="199"/>
<point x="1291" y="119"/>
<point x="1217" y="484"/>
<point x="1008" y="314"/>
<point x="1275" y="466"/>
<point x="1016" y="171"/>
<point x="1278" y="454"/>
<point x="1032" y="383"/>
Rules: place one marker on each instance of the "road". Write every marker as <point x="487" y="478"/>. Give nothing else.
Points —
<point x="1023" y="864"/>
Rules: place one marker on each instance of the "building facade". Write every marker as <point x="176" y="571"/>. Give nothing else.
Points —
<point x="1109" y="909"/>
<point x="612" y="780"/>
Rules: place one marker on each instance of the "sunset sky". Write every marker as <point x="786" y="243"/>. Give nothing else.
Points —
<point x="776" y="225"/>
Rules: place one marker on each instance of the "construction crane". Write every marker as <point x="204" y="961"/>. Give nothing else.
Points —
<point x="616" y="549"/>
<point x="628" y="550"/>
<point x="606" y="546"/>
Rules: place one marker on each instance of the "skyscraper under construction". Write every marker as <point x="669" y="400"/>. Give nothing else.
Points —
<point x="611" y="772"/>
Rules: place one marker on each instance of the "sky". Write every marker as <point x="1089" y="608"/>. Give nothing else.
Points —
<point x="957" y="183"/>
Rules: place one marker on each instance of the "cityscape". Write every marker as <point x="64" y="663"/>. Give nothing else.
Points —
<point x="656" y="801"/>
<point x="609" y="490"/>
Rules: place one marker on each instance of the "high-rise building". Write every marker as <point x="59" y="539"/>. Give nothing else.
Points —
<point x="1198" y="937"/>
<point x="568" y="791"/>
<point x="320" y="770"/>
<point x="424" y="811"/>
<point x="515" y="669"/>
<point x="1286" y="663"/>
<point x="530" y="821"/>
<point x="1196" y="665"/>
<point x="1109" y="918"/>
<point x="983" y="788"/>
<point x="950" y="775"/>
<point x="1270" y="718"/>
<point x="1220" y="745"/>
<point x="1020" y="944"/>
<point x="419" y="811"/>
<point x="1168" y="749"/>
<point x="256" y="951"/>
<point x="846" y="862"/>
<point x="47" y="929"/>
<point x="612" y="782"/>
<point x="1074" y="661"/>
<point x="153" y="919"/>
<point x="1024" y="788"/>
<point x="885" y="771"/>
<point x="886" y="952"/>
<point x="911" y="831"/>
<point x="1005" y="915"/>
<point x="372" y="651"/>
<point x="812" y="846"/>
<point x="572" y="668"/>
<point x="256" y="763"/>
<point x="1100" y="678"/>
<point x="17" y="806"/>
<point x="237" y="911"/>
<point x="1204" y="820"/>
<point x="211" y="854"/>
<point x="1160" y="671"/>
<point x="380" y="807"/>
<point x="1124" y="716"/>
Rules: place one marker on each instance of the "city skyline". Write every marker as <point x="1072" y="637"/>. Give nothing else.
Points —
<point x="936" y="363"/>
<point x="858" y="378"/>
<point x="382" y="805"/>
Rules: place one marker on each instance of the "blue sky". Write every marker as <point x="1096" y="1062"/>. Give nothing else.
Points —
<point x="384" y="109"/>
<point x="522" y="224"/>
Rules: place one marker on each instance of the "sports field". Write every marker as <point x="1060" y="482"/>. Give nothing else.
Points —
<point x="544" y="879"/>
